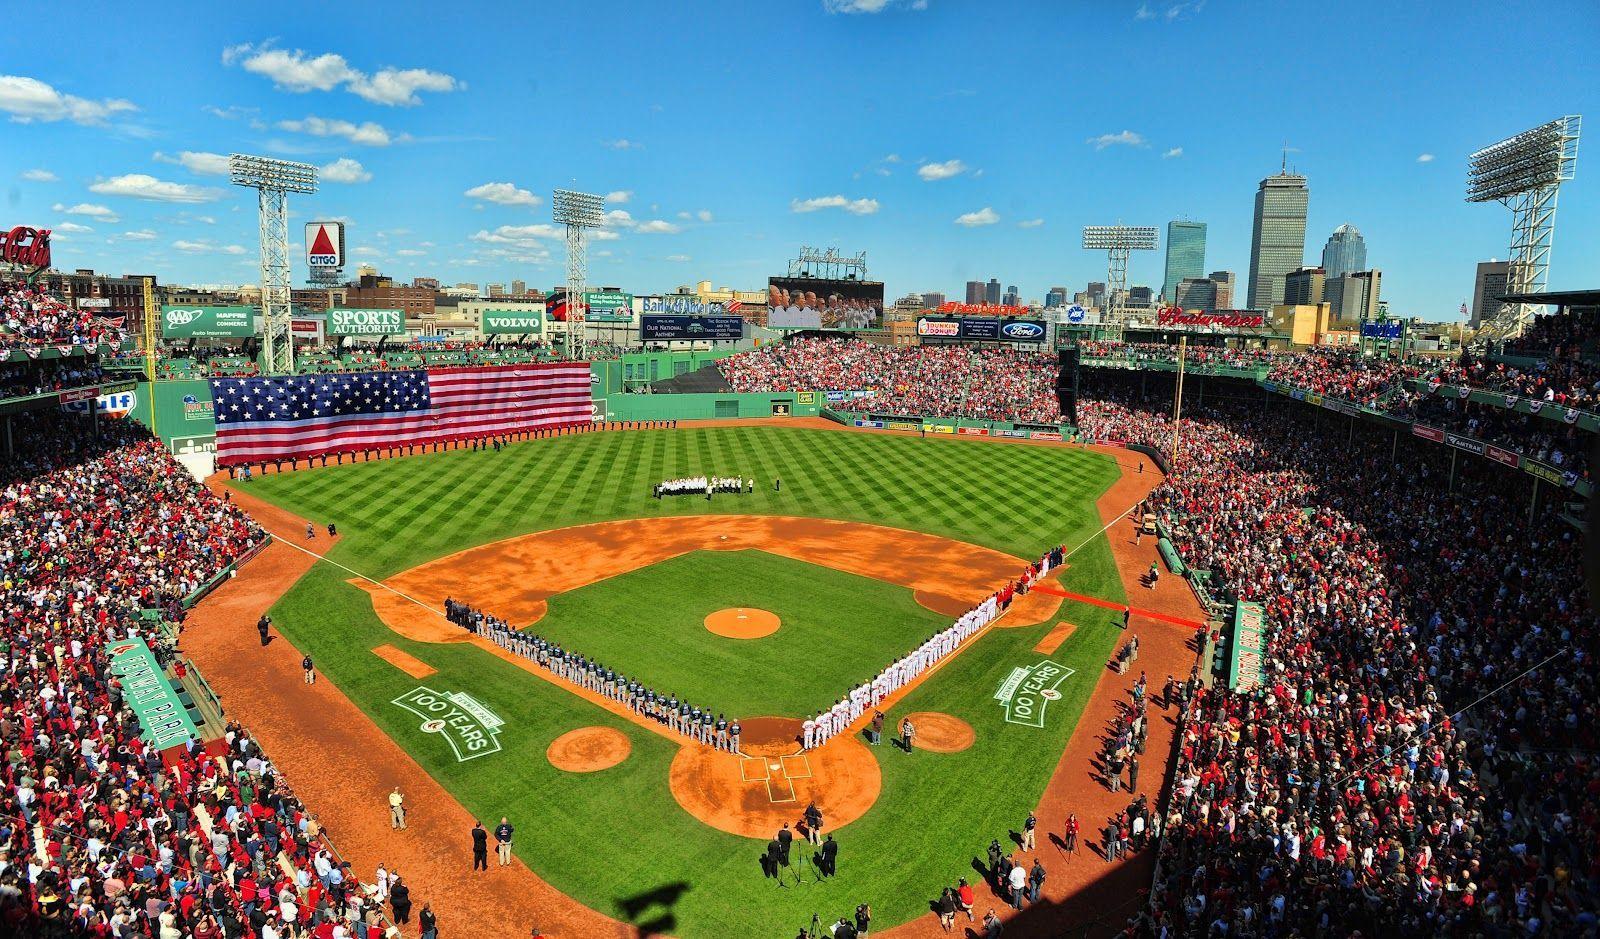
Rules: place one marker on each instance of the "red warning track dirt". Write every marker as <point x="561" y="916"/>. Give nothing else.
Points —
<point x="938" y="732"/>
<point x="589" y="749"/>
<point x="306" y="729"/>
<point x="743" y="623"/>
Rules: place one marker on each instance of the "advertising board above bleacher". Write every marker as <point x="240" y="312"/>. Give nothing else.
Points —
<point x="208" y="322"/>
<point x="366" y="322"/>
<point x="666" y="327"/>
<point x="980" y="329"/>
<point x="512" y="322"/>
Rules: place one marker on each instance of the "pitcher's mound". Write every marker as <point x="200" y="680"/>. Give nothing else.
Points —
<point x="937" y="732"/>
<point x="742" y="623"/>
<point x="589" y="749"/>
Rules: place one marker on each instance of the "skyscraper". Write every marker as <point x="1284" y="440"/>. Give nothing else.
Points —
<point x="1487" y="285"/>
<point x="519" y="287"/>
<point x="1278" y="241"/>
<point x="1012" y="298"/>
<point x="1196" y="293"/>
<point x="992" y="293"/>
<point x="1055" y="296"/>
<point x="1304" y="287"/>
<point x="1186" y="255"/>
<point x="1345" y="252"/>
<point x="974" y="291"/>
<point x="932" y="301"/>
<point x="1353" y="297"/>
<point x="1225" y="284"/>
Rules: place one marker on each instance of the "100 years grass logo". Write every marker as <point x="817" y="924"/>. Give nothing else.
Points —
<point x="1026" y="692"/>
<point x="471" y="729"/>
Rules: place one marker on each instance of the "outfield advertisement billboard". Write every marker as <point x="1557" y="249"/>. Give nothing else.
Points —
<point x="821" y="303"/>
<point x="512" y="322"/>
<point x="366" y="322"/>
<point x="208" y="322"/>
<point x="608" y="306"/>
<point x="980" y="329"/>
<point x="666" y="326"/>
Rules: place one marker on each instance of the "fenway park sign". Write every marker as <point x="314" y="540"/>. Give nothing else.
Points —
<point x="1233" y="319"/>
<point x="26" y="247"/>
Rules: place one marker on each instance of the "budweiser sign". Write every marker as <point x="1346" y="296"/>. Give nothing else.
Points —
<point x="983" y="309"/>
<point x="1172" y="316"/>
<point x="26" y="247"/>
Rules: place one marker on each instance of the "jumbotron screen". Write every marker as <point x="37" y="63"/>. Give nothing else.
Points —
<point x="818" y="303"/>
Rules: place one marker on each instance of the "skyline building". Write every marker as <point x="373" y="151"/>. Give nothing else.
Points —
<point x="1186" y="255"/>
<point x="1304" y="287"/>
<point x="1196" y="293"/>
<point x="1353" y="297"/>
<point x="1226" y="284"/>
<point x="933" y="300"/>
<point x="991" y="293"/>
<point x="1278" y="237"/>
<point x="1055" y="296"/>
<point x="1011" y="297"/>
<point x="975" y="291"/>
<point x="1488" y="283"/>
<point x="1345" y="252"/>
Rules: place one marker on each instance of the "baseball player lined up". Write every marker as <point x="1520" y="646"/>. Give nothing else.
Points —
<point x="699" y="724"/>
<point x="818" y="729"/>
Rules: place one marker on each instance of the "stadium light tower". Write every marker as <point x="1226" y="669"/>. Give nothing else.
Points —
<point x="273" y="180"/>
<point x="1523" y="173"/>
<point x="1117" y="241"/>
<point x="579" y="211"/>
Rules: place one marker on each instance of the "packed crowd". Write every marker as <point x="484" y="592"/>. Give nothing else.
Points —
<point x="31" y="318"/>
<point x="1555" y="442"/>
<point x="100" y="833"/>
<point x="945" y="381"/>
<point x="18" y="379"/>
<point x="677" y="715"/>
<point x="1196" y="356"/>
<point x="1346" y="374"/>
<point x="1347" y="792"/>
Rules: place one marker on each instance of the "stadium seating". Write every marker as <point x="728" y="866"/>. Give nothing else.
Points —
<point x="97" y="836"/>
<point x="30" y="318"/>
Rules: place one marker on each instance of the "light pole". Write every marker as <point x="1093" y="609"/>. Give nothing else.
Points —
<point x="579" y="211"/>
<point x="273" y="180"/>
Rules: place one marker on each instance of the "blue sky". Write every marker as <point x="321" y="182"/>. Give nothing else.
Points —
<point x="951" y="140"/>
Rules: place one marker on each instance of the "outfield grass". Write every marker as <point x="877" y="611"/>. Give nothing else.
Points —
<point x="837" y="630"/>
<point x="935" y="812"/>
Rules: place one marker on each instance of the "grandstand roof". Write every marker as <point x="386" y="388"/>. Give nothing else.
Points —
<point x="1557" y="297"/>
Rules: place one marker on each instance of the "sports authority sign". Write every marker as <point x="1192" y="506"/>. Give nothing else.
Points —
<point x="471" y="729"/>
<point x="366" y="322"/>
<point x="1026" y="692"/>
<point x="324" y="249"/>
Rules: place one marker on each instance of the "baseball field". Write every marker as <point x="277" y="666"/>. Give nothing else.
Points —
<point x="872" y="544"/>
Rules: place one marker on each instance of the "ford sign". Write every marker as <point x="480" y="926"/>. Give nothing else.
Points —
<point x="1023" y="331"/>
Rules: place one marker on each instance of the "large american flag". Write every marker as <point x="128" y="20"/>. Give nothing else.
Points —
<point x="307" y="415"/>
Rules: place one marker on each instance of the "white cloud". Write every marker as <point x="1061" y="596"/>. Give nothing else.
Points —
<point x="853" y="206"/>
<point x="618" y="218"/>
<point x="205" y="164"/>
<point x="368" y="133"/>
<point x="984" y="216"/>
<point x="1173" y="153"/>
<point x="1425" y="158"/>
<point x="410" y="253"/>
<point x="367" y="251"/>
<point x="206" y="247"/>
<point x="520" y="234"/>
<point x="39" y="176"/>
<point x="678" y="258"/>
<point x="870" y="6"/>
<point x="139" y="234"/>
<point x="602" y="234"/>
<point x="344" y="170"/>
<point x="619" y="196"/>
<point x="298" y="72"/>
<point x="703" y="215"/>
<point x="391" y="86"/>
<point x="623" y="143"/>
<point x="892" y="158"/>
<point x="657" y="227"/>
<point x="502" y="194"/>
<point x="1030" y="223"/>
<point x="1144" y="12"/>
<point x="91" y="210"/>
<point x="71" y="227"/>
<point x="945" y="170"/>
<point x="1127" y="138"/>
<point x="140" y="186"/>
<point x="232" y="112"/>
<point x="28" y="100"/>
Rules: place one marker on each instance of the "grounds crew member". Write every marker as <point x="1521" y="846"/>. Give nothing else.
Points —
<point x="502" y="840"/>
